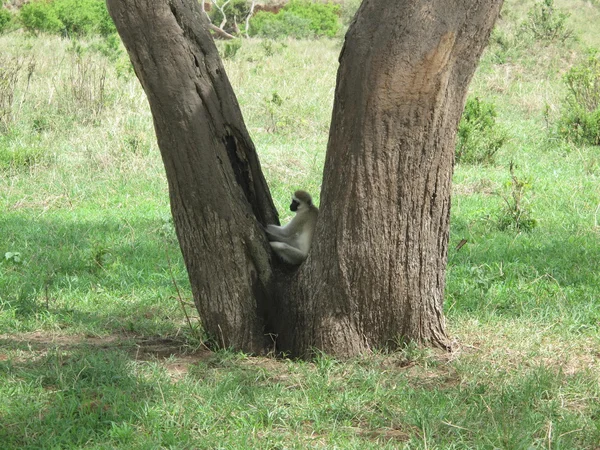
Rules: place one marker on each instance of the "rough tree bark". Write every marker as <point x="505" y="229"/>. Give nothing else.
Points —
<point x="219" y="197"/>
<point x="376" y="271"/>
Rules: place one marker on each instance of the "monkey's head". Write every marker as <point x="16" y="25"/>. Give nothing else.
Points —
<point x="300" y="199"/>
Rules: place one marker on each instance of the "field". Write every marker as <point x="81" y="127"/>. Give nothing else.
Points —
<point x="100" y="345"/>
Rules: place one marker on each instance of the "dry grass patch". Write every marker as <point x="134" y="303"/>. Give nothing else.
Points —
<point x="513" y="345"/>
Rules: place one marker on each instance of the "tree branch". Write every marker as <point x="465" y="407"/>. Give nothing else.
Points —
<point x="220" y="32"/>
<point x="250" y="14"/>
<point x="219" y="29"/>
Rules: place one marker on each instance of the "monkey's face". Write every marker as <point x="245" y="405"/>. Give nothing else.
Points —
<point x="294" y="205"/>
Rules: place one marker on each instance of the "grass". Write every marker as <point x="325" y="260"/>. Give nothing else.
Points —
<point x="95" y="351"/>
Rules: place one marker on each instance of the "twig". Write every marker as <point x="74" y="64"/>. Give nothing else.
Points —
<point x="456" y="426"/>
<point x="47" y="297"/>
<point x="569" y="432"/>
<point x="222" y="11"/>
<point x="236" y="29"/>
<point x="222" y="336"/>
<point x="220" y="32"/>
<point x="212" y="26"/>
<point x="190" y="304"/>
<point x="250" y="14"/>
<point x="460" y="244"/>
<point x="273" y="337"/>
<point x="180" y="297"/>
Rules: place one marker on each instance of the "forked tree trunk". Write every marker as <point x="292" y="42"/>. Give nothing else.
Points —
<point x="219" y="197"/>
<point x="376" y="271"/>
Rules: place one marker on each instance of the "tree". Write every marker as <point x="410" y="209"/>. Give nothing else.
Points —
<point x="376" y="271"/>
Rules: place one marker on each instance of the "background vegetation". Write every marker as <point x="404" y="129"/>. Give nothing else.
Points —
<point x="298" y="19"/>
<point x="68" y="17"/>
<point x="95" y="347"/>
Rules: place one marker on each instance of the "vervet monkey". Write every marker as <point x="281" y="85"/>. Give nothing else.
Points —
<point x="292" y="242"/>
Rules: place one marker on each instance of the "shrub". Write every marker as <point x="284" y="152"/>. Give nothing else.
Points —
<point x="274" y="26"/>
<point x="16" y="157"/>
<point x="546" y="23"/>
<point x="81" y="17"/>
<point x="70" y="17"/>
<point x="298" y="19"/>
<point x="479" y="136"/>
<point x="231" y="48"/>
<point x="580" y="117"/>
<point x="505" y="46"/>
<point x="5" y="19"/>
<point x="516" y="214"/>
<point x="110" y="47"/>
<point x="39" y="16"/>
<point x="323" y="17"/>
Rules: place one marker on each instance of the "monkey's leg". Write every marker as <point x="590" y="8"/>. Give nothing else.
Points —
<point x="289" y="254"/>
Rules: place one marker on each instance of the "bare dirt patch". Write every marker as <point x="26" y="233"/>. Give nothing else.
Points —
<point x="174" y="355"/>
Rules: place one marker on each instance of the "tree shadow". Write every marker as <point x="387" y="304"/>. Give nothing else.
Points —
<point x="568" y="258"/>
<point x="546" y="273"/>
<point x="70" y="391"/>
<point x="119" y="272"/>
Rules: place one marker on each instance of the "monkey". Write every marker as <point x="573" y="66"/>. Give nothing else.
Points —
<point x="292" y="241"/>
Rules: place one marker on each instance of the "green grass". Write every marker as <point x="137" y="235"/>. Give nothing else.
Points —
<point x="95" y="350"/>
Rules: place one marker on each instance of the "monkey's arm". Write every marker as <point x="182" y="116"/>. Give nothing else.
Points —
<point x="289" y="254"/>
<point x="276" y="233"/>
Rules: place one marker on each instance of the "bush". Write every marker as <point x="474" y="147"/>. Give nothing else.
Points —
<point x="506" y="46"/>
<point x="39" y="16"/>
<point x="323" y="17"/>
<point x="580" y="118"/>
<point x="546" y="23"/>
<point x="69" y="17"/>
<point x="479" y="136"/>
<point x="274" y="26"/>
<point x="5" y="19"/>
<point x="231" y="48"/>
<point x="298" y="19"/>
<point x="82" y="17"/>
<point x="16" y="157"/>
<point x="516" y="214"/>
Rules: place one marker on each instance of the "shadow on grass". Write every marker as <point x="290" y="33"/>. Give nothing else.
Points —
<point x="115" y="271"/>
<point x="569" y="258"/>
<point x="538" y="273"/>
<point x="72" y="391"/>
<point x="78" y="392"/>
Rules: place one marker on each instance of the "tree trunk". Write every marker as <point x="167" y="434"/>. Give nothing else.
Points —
<point x="219" y="197"/>
<point x="376" y="272"/>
